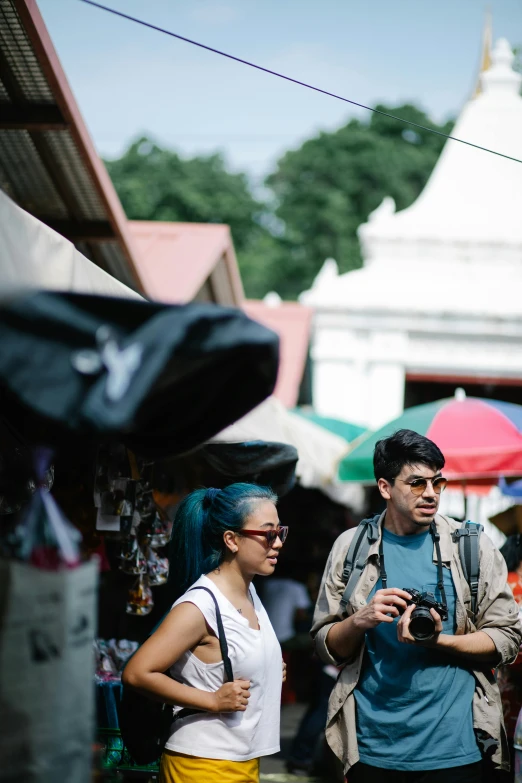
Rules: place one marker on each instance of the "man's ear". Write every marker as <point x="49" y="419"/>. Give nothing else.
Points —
<point x="384" y="488"/>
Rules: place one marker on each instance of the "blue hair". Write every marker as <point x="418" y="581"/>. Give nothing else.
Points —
<point x="196" y="545"/>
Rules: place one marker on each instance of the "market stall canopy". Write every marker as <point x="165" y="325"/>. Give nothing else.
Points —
<point x="35" y="256"/>
<point x="480" y="439"/>
<point x="48" y="163"/>
<point x="345" y="429"/>
<point x="319" y="451"/>
<point x="164" y="378"/>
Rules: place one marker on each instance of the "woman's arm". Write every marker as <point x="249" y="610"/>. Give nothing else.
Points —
<point x="182" y="630"/>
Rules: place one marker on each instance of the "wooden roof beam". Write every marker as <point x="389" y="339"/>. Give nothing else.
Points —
<point x="31" y="117"/>
<point x="82" y="230"/>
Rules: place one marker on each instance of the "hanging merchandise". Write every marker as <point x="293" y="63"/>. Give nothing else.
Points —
<point x="140" y="600"/>
<point x="47" y="665"/>
<point x="132" y="559"/>
<point x="157" y="532"/>
<point x="157" y="568"/>
<point x="17" y="481"/>
<point x="114" y="490"/>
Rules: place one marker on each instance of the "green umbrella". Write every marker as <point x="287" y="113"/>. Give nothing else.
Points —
<point x="480" y="439"/>
<point x="344" y="429"/>
<point x="358" y="464"/>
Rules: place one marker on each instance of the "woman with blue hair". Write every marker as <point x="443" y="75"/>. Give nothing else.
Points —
<point x="221" y="539"/>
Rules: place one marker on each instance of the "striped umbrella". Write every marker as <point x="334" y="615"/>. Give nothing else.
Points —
<point x="480" y="439"/>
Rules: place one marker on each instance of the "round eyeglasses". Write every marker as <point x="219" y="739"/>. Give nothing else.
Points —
<point x="420" y="485"/>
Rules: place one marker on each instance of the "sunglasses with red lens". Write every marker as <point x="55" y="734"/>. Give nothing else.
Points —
<point x="270" y="535"/>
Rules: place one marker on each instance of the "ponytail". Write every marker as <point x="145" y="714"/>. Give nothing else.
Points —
<point x="196" y="545"/>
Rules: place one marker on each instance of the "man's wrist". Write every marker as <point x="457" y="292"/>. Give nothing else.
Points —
<point x="443" y="641"/>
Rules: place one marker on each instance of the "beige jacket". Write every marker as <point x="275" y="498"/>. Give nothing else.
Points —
<point x="497" y="615"/>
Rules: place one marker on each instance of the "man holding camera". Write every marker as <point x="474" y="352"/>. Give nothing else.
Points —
<point x="416" y="699"/>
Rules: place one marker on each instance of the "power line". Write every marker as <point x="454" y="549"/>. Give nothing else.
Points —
<point x="294" y="81"/>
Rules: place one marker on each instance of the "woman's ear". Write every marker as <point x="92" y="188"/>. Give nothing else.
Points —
<point x="230" y="541"/>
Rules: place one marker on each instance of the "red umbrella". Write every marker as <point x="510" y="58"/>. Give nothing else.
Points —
<point x="480" y="439"/>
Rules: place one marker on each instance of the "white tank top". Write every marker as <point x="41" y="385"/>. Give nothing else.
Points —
<point x="255" y="656"/>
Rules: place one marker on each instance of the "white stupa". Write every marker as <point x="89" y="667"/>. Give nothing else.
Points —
<point x="440" y="292"/>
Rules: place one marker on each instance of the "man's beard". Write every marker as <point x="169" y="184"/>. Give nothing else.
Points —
<point x="426" y="523"/>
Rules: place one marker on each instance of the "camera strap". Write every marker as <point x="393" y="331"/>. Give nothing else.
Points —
<point x="435" y="535"/>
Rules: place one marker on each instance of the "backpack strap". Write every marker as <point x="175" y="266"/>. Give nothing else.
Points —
<point x="468" y="539"/>
<point x="366" y="534"/>
<point x="223" y="645"/>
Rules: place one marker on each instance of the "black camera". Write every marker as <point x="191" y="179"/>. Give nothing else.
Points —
<point x="422" y="624"/>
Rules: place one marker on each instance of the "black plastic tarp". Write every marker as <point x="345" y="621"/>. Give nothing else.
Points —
<point x="164" y="378"/>
<point x="220" y="464"/>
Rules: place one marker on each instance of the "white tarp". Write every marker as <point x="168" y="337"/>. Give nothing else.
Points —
<point x="319" y="450"/>
<point x="32" y="255"/>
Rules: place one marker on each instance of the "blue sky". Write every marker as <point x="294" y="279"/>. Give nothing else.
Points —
<point x="130" y="81"/>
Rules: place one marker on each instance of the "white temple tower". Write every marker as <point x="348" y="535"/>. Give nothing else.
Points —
<point x="439" y="298"/>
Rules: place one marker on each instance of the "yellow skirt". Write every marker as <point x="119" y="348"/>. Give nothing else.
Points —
<point x="178" y="768"/>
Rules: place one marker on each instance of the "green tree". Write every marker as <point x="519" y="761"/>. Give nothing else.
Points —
<point x="325" y="189"/>
<point x="157" y="184"/>
<point x="321" y="193"/>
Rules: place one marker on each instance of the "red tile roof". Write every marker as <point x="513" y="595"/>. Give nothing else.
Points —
<point x="292" y="322"/>
<point x="176" y="259"/>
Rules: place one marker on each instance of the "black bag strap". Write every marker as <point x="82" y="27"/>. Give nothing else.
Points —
<point x="357" y="556"/>
<point x="468" y="539"/>
<point x="223" y="645"/>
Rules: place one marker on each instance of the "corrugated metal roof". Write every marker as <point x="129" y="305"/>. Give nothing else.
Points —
<point x="48" y="164"/>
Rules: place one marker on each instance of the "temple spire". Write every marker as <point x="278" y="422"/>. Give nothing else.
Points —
<point x="485" y="58"/>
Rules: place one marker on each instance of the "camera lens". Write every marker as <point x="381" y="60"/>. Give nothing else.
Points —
<point x="422" y="624"/>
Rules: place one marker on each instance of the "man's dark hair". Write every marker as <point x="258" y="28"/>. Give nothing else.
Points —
<point x="404" y="447"/>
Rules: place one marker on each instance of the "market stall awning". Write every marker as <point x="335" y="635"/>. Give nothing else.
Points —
<point x="48" y="163"/>
<point x="35" y="256"/>
<point x="480" y="439"/>
<point x="319" y="451"/>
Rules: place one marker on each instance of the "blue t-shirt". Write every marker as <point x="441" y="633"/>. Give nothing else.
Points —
<point x="414" y="705"/>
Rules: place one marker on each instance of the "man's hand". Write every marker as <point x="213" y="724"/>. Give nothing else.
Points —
<point x="383" y="608"/>
<point x="284" y="671"/>
<point x="403" y="628"/>
<point x="477" y="646"/>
